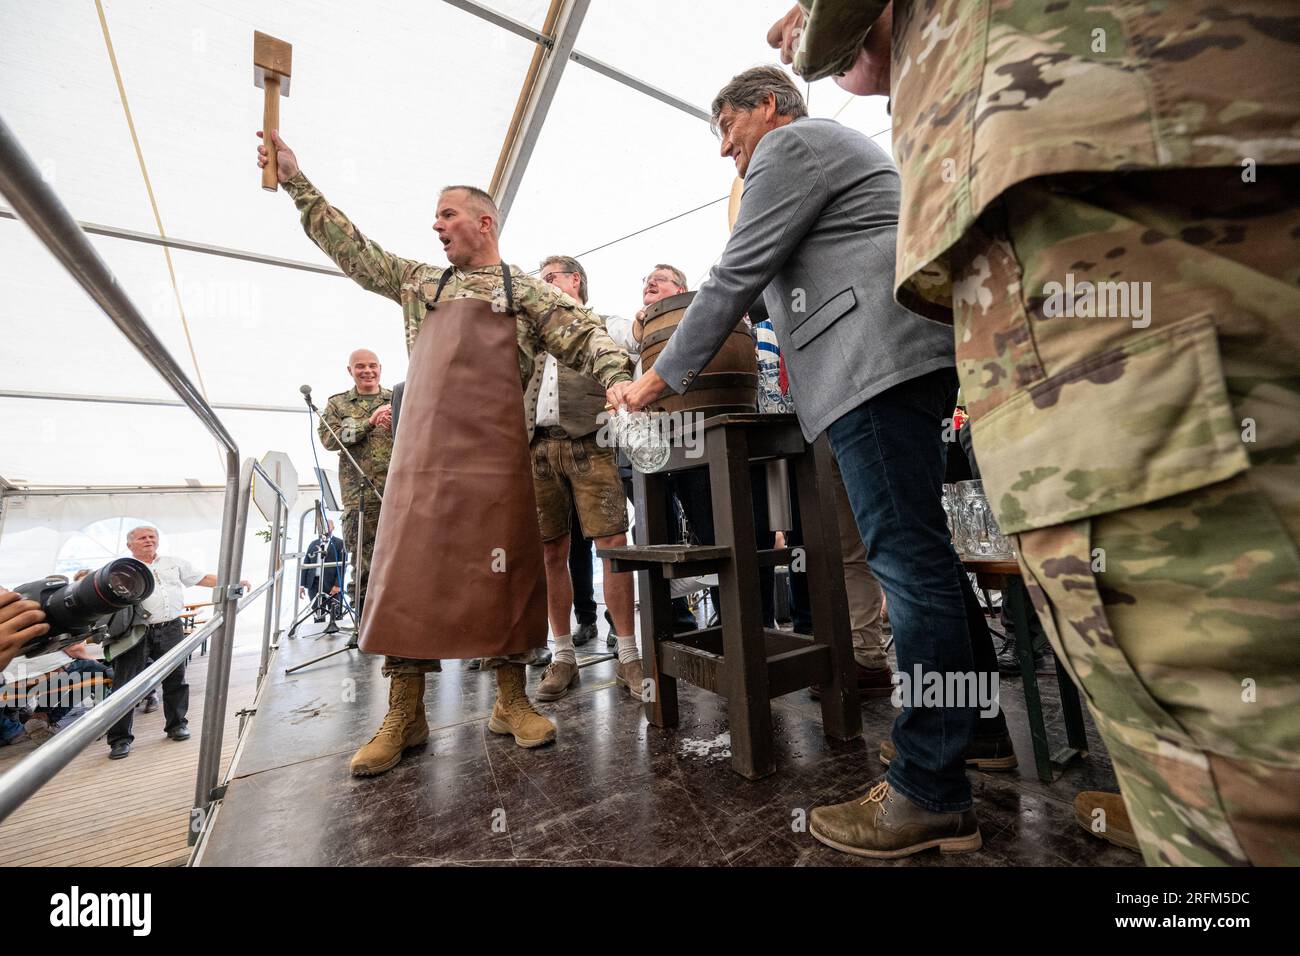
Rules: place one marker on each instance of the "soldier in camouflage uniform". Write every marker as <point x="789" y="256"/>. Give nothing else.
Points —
<point x="362" y="418"/>
<point x="1102" y="198"/>
<point x="547" y="321"/>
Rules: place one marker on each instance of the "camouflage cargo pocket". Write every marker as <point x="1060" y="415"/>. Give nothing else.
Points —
<point x="1058" y="567"/>
<point x="1179" y="618"/>
<point x="1142" y="421"/>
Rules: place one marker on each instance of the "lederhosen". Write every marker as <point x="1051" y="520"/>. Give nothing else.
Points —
<point x="457" y="569"/>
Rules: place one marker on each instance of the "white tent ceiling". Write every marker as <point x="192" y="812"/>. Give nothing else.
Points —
<point x="390" y="101"/>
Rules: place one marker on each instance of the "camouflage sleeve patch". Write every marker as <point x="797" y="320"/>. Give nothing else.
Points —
<point x="574" y="334"/>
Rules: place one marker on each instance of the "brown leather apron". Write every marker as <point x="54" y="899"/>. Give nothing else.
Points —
<point x="457" y="569"/>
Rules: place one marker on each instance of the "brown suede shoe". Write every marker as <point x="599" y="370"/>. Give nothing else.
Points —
<point x="631" y="676"/>
<point x="1112" y="824"/>
<point x="885" y="825"/>
<point x="984" y="753"/>
<point x="513" y="712"/>
<point x="404" y="726"/>
<point x="872" y="682"/>
<point x="557" y="680"/>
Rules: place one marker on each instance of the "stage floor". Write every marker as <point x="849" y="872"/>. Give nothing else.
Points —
<point x="612" y="789"/>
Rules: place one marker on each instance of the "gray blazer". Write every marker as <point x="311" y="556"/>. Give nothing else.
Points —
<point x="816" y="234"/>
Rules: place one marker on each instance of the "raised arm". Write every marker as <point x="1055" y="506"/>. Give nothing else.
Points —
<point x="576" y="337"/>
<point x="362" y="260"/>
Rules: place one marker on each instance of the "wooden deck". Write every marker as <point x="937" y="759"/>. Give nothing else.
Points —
<point x="132" y="812"/>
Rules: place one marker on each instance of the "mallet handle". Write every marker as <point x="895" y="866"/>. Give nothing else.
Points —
<point x="270" y="121"/>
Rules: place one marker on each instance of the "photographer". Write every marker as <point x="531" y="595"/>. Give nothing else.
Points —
<point x="20" y="621"/>
<point x="160" y="615"/>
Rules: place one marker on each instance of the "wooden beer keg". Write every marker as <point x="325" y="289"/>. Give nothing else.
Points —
<point x="728" y="384"/>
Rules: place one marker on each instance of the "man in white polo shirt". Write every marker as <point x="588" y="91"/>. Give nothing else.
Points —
<point x="162" y="610"/>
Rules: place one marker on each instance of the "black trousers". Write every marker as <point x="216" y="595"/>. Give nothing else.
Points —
<point x="159" y="639"/>
<point x="580" y="557"/>
<point x="692" y="491"/>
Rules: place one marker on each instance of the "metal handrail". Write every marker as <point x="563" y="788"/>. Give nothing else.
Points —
<point x="42" y="211"/>
<point x="35" y="770"/>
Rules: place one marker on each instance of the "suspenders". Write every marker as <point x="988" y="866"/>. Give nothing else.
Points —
<point x="505" y="275"/>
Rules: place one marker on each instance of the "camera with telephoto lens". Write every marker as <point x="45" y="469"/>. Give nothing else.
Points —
<point x="84" y="610"/>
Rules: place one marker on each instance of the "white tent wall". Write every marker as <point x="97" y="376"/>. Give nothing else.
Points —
<point x="58" y="533"/>
<point x="390" y="101"/>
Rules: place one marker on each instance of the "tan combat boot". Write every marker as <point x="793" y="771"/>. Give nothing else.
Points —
<point x="404" y="726"/>
<point x="1111" y="824"/>
<point x="513" y="712"/>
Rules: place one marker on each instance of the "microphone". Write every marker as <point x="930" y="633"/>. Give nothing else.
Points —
<point x="306" y="396"/>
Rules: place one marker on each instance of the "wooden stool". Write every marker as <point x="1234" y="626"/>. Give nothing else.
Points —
<point x="1003" y="574"/>
<point x="742" y="660"/>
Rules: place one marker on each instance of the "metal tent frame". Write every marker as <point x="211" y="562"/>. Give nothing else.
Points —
<point x="555" y="42"/>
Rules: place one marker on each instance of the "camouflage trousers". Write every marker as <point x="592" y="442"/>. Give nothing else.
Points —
<point x="360" y="557"/>
<point x="1149" y="465"/>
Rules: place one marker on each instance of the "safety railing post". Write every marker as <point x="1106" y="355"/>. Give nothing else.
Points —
<point x="272" y="594"/>
<point x="234" y="525"/>
<point x="282" y="539"/>
<point x="297" y="590"/>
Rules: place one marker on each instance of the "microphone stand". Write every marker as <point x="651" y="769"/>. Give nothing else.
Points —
<point x="352" y="643"/>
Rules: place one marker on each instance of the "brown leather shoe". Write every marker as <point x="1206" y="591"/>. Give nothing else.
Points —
<point x="872" y="682"/>
<point x="632" y="676"/>
<point x="513" y="712"/>
<point x="557" y="680"/>
<point x="1112" y="824"/>
<point x="885" y="825"/>
<point x="404" y="726"/>
<point x="984" y="753"/>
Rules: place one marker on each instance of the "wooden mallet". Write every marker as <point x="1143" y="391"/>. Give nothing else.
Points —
<point x="272" y="62"/>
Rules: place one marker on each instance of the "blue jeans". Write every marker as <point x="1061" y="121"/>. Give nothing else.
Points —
<point x="891" y="453"/>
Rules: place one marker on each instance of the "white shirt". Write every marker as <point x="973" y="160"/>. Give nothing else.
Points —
<point x="620" y="330"/>
<point x="548" y="398"/>
<point x="171" y="577"/>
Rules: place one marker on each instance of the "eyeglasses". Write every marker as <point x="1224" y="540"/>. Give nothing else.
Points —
<point x="656" y="279"/>
<point x="550" y="277"/>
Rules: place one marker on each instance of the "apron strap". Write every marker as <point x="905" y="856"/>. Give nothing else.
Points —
<point x="510" y="295"/>
<point x="505" y="275"/>
<point x="442" y="282"/>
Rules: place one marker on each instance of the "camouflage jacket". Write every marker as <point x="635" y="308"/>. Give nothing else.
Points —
<point x="348" y="413"/>
<point x="989" y="93"/>
<point x="547" y="319"/>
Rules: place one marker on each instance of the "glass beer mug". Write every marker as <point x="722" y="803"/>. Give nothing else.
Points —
<point x="642" y="439"/>
<point x="980" y="534"/>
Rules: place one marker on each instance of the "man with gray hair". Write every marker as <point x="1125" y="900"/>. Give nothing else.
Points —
<point x="161" y="612"/>
<point x="815" y="236"/>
